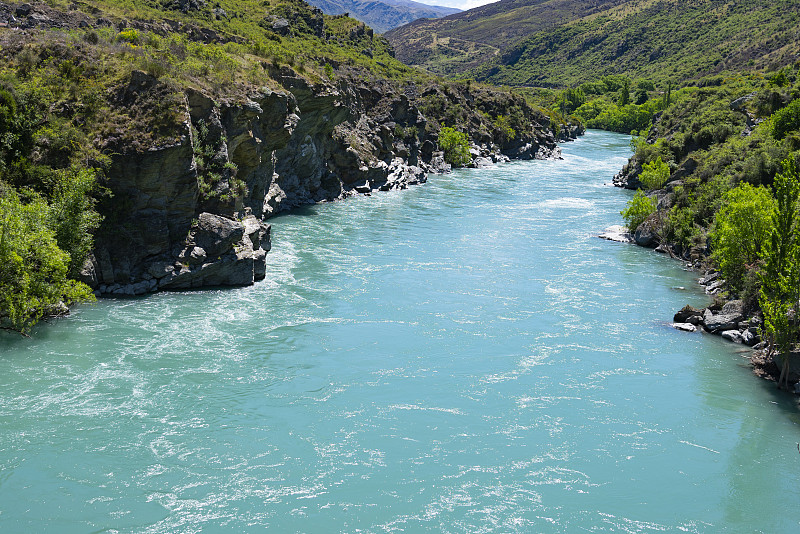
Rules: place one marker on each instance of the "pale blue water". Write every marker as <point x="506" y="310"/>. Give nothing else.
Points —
<point x="463" y="356"/>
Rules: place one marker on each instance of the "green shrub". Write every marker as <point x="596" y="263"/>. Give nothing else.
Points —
<point x="639" y="208"/>
<point x="740" y="229"/>
<point x="455" y="146"/>
<point x="655" y="174"/>
<point x="33" y="269"/>
<point x="72" y="215"/>
<point x="503" y="125"/>
<point x="786" y="120"/>
<point x="129" y="35"/>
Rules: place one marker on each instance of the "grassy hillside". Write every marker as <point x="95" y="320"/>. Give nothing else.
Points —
<point x="563" y="43"/>
<point x="656" y="39"/>
<point x="456" y="43"/>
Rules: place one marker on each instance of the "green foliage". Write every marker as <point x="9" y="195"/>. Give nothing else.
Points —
<point x="129" y="36"/>
<point x="681" y="229"/>
<point x="571" y="99"/>
<point x="33" y="269"/>
<point x="780" y="276"/>
<point x="786" y="120"/>
<point x="651" y="40"/>
<point x="455" y="146"/>
<point x="741" y="227"/>
<point x="503" y="125"/>
<point x="625" y="93"/>
<point x="655" y="174"/>
<point x="639" y="208"/>
<point x="73" y="217"/>
<point x="623" y="119"/>
<point x="593" y="108"/>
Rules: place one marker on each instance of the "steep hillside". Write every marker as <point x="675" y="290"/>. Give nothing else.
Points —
<point x="666" y="40"/>
<point x="575" y="42"/>
<point x="463" y="41"/>
<point x="384" y="15"/>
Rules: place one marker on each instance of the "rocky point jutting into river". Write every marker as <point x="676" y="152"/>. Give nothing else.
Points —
<point x="189" y="213"/>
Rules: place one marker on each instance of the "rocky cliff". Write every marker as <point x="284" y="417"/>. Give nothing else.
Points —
<point x="188" y="211"/>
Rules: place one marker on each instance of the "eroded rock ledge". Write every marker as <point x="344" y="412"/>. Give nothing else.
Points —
<point x="189" y="212"/>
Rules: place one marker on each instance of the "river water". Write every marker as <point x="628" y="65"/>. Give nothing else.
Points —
<point x="463" y="356"/>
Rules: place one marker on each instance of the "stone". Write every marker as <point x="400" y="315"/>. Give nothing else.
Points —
<point x="685" y="327"/>
<point x="750" y="337"/>
<point x="197" y="255"/>
<point x="685" y="313"/>
<point x="644" y="237"/>
<point x="715" y="286"/>
<point x="733" y="307"/>
<point x="216" y="234"/>
<point x="715" y="323"/>
<point x="710" y="277"/>
<point x="733" y="335"/>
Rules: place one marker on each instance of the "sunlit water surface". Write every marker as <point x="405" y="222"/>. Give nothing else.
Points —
<point x="463" y="356"/>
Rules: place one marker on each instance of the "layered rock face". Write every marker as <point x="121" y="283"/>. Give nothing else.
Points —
<point x="190" y="213"/>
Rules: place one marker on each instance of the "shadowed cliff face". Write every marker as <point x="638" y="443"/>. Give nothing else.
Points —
<point x="190" y="213"/>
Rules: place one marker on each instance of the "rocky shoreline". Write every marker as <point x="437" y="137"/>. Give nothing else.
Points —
<point x="729" y="319"/>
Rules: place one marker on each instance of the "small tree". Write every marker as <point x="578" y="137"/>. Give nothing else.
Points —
<point x="639" y="208"/>
<point x="780" y="278"/>
<point x="741" y="227"/>
<point x="33" y="270"/>
<point x="625" y="93"/>
<point x="455" y="146"/>
<point x="654" y="174"/>
<point x="503" y="125"/>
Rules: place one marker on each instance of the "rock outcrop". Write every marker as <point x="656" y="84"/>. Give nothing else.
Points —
<point x="187" y="210"/>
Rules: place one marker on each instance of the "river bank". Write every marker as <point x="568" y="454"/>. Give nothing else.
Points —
<point x="464" y="355"/>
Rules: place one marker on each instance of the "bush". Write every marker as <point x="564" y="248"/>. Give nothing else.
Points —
<point x="503" y="125"/>
<point x="72" y="216"/>
<point x="654" y="175"/>
<point x="33" y="269"/>
<point x="786" y="120"/>
<point x="740" y="229"/>
<point x="455" y="146"/>
<point x="639" y="208"/>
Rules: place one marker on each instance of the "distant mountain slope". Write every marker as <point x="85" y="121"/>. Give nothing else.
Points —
<point x="463" y="41"/>
<point x="565" y="42"/>
<point x="383" y="15"/>
<point x="664" y="39"/>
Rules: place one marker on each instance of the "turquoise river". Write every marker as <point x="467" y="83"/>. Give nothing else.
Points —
<point x="463" y="356"/>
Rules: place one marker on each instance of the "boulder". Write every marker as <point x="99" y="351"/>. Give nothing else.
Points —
<point x="685" y="313"/>
<point x="733" y="335"/>
<point x="685" y="327"/>
<point x="716" y="323"/>
<point x="733" y="307"/>
<point x="750" y="337"/>
<point x="645" y="237"/>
